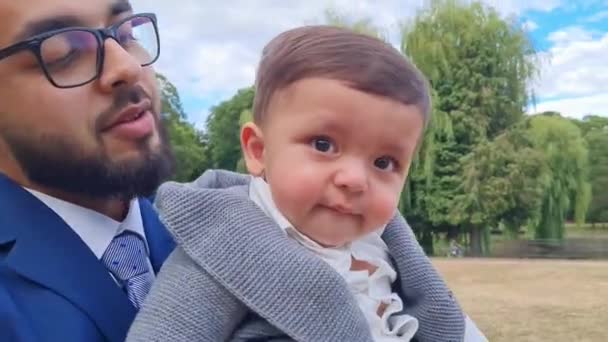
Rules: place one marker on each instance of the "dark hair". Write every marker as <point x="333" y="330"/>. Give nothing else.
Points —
<point x="361" y="61"/>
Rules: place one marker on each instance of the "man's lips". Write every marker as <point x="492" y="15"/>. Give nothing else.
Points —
<point x="133" y="123"/>
<point x="129" y="114"/>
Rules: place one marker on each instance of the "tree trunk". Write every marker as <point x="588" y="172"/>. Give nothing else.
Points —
<point x="475" y="239"/>
<point x="427" y="242"/>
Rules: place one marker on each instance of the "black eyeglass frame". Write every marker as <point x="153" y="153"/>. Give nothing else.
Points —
<point x="34" y="44"/>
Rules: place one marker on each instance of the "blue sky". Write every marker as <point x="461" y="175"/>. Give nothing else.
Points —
<point x="592" y="17"/>
<point x="209" y="50"/>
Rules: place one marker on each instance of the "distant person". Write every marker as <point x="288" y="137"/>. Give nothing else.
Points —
<point x="81" y="146"/>
<point x="320" y="252"/>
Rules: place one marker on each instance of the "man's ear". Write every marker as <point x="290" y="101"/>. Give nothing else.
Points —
<point x="252" y="144"/>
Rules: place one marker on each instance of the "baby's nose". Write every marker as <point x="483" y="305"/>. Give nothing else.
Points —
<point x="352" y="177"/>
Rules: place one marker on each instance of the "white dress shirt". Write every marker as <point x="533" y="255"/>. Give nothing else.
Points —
<point x="370" y="290"/>
<point x="94" y="229"/>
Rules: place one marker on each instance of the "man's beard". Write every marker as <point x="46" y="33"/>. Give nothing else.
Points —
<point x="58" y="162"/>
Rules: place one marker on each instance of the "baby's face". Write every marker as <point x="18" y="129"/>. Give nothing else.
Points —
<point x="336" y="158"/>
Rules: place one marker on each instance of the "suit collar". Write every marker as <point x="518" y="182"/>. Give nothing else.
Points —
<point x="159" y="240"/>
<point x="95" y="229"/>
<point x="47" y="251"/>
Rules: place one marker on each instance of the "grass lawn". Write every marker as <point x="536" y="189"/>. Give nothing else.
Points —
<point x="532" y="300"/>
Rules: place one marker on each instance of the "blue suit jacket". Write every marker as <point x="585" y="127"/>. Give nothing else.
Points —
<point x="52" y="287"/>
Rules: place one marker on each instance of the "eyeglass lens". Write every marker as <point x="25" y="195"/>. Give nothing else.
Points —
<point x="72" y="57"/>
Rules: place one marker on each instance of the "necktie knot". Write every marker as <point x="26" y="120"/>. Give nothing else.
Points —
<point x="126" y="259"/>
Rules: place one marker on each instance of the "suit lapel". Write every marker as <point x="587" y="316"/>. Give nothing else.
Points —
<point x="159" y="240"/>
<point x="48" y="252"/>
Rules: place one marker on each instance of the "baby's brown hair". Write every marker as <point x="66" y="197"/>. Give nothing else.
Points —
<point x="360" y="61"/>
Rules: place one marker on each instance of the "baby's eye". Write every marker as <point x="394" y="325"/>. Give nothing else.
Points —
<point x="323" y="144"/>
<point x="386" y="164"/>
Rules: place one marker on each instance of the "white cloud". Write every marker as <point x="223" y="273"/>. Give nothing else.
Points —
<point x="577" y="65"/>
<point x="212" y="47"/>
<point x="530" y="25"/>
<point x="517" y="6"/>
<point x="209" y="46"/>
<point x="569" y="35"/>
<point x="597" y="17"/>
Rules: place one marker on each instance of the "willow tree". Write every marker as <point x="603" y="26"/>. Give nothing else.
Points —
<point x="479" y="65"/>
<point x="504" y="183"/>
<point x="595" y="131"/>
<point x="360" y="25"/>
<point x="567" y="187"/>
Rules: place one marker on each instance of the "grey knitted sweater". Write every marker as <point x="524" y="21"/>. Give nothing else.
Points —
<point x="235" y="276"/>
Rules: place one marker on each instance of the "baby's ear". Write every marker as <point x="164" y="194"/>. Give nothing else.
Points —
<point x="252" y="144"/>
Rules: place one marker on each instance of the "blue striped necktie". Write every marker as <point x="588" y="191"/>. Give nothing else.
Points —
<point x="126" y="259"/>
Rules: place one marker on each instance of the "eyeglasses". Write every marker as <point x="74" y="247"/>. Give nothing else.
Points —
<point x="72" y="57"/>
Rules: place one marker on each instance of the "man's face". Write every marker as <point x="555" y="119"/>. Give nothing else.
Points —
<point x="102" y="139"/>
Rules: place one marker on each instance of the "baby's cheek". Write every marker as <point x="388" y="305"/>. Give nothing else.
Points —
<point x="383" y="209"/>
<point x="295" y="190"/>
<point x="292" y="195"/>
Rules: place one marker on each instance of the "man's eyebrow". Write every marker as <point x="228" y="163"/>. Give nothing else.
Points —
<point x="62" y="21"/>
<point x="48" y="24"/>
<point x="120" y="7"/>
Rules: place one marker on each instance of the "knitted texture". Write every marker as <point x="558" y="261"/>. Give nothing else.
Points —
<point x="235" y="276"/>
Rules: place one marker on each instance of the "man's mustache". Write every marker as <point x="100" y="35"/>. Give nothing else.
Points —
<point x="123" y="98"/>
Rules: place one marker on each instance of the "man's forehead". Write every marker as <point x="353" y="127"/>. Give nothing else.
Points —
<point x="16" y="15"/>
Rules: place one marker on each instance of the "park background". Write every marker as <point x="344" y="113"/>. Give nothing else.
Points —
<point x="509" y="192"/>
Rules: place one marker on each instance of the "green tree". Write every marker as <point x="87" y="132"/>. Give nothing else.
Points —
<point x="223" y="129"/>
<point x="480" y="64"/>
<point x="480" y="67"/>
<point x="592" y="123"/>
<point x="362" y="25"/>
<point x="187" y="142"/>
<point x="597" y="141"/>
<point x="503" y="183"/>
<point x="595" y="130"/>
<point x="567" y="186"/>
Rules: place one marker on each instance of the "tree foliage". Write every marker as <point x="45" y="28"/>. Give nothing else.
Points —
<point x="362" y="25"/>
<point x="223" y="129"/>
<point x="567" y="187"/>
<point x="504" y="183"/>
<point x="479" y="66"/>
<point x="187" y="142"/>
<point x="595" y="130"/>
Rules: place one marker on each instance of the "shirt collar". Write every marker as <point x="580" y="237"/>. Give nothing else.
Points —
<point x="260" y="194"/>
<point x="94" y="229"/>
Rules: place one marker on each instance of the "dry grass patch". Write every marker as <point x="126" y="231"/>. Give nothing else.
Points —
<point x="532" y="300"/>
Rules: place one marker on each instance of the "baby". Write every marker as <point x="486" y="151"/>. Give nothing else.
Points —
<point x="309" y="246"/>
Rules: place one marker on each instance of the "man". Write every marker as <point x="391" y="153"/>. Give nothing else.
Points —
<point x="81" y="145"/>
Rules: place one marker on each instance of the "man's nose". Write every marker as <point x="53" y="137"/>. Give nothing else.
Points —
<point x="352" y="176"/>
<point x="119" y="67"/>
